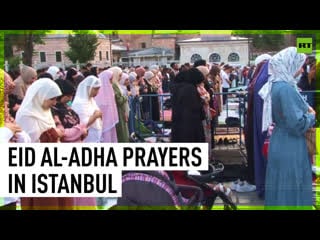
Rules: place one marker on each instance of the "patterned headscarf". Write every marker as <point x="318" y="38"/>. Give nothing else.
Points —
<point x="8" y="88"/>
<point x="282" y="67"/>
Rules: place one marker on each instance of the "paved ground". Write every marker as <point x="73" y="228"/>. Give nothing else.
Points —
<point x="236" y="154"/>
<point x="244" y="201"/>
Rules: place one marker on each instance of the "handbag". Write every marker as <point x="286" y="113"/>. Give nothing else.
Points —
<point x="310" y="136"/>
<point x="265" y="148"/>
<point x="213" y="113"/>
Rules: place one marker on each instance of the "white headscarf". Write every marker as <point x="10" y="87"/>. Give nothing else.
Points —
<point x="84" y="105"/>
<point x="282" y="67"/>
<point x="54" y="71"/>
<point x="261" y="58"/>
<point x="39" y="91"/>
<point x="123" y="87"/>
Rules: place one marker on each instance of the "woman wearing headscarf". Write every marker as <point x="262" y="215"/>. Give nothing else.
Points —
<point x="67" y="119"/>
<point x="86" y="107"/>
<point x="106" y="101"/>
<point x="122" y="105"/>
<point x="74" y="77"/>
<point x="27" y="76"/>
<point x="206" y="98"/>
<point x="133" y="100"/>
<point x="187" y="107"/>
<point x="151" y="103"/>
<point x="124" y="83"/>
<point x="10" y="132"/>
<point x="35" y="117"/>
<point x="288" y="175"/>
<point x="55" y="72"/>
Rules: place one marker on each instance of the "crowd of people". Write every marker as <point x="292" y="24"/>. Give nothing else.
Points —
<point x="101" y="104"/>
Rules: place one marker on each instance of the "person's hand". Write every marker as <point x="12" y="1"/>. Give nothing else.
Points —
<point x="15" y="128"/>
<point x="60" y="132"/>
<point x="97" y="114"/>
<point x="16" y="107"/>
<point x="311" y="110"/>
<point x="85" y="133"/>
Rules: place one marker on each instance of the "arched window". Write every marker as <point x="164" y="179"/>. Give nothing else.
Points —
<point x="233" y="57"/>
<point x="214" y="57"/>
<point x="195" y="57"/>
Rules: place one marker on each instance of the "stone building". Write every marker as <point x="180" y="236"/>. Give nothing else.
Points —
<point x="52" y="52"/>
<point x="215" y="48"/>
<point x="147" y="49"/>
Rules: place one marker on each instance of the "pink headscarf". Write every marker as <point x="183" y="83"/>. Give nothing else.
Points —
<point x="106" y="101"/>
<point x="140" y="71"/>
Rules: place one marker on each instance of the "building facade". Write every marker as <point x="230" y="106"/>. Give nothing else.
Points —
<point x="215" y="49"/>
<point x="52" y="52"/>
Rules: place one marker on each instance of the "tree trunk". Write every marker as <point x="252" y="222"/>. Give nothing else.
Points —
<point x="28" y="50"/>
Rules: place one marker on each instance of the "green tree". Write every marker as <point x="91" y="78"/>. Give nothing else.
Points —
<point x="82" y="47"/>
<point x="263" y="40"/>
<point x="23" y="40"/>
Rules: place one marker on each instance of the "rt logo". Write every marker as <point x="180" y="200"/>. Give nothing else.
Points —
<point x="304" y="45"/>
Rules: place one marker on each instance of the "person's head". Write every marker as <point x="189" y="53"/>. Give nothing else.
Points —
<point x="106" y="76"/>
<point x="28" y="74"/>
<point x="55" y="72"/>
<point x="87" y="89"/>
<point x="42" y="93"/>
<point x="72" y="74"/>
<point x="140" y="71"/>
<point x="67" y="90"/>
<point x="204" y="70"/>
<point x="312" y="72"/>
<point x="285" y="64"/>
<point x="261" y="58"/>
<point x="148" y="75"/>
<point x="227" y="68"/>
<point x="194" y="76"/>
<point x="117" y="72"/>
<point x="124" y="79"/>
<point x="214" y="71"/>
<point x="200" y="62"/>
<point x="174" y="66"/>
<point x="132" y="77"/>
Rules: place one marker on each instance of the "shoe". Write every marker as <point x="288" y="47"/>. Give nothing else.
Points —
<point x="245" y="187"/>
<point x="226" y="190"/>
<point x="235" y="184"/>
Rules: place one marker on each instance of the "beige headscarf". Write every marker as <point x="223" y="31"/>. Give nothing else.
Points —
<point x="204" y="70"/>
<point x="26" y="78"/>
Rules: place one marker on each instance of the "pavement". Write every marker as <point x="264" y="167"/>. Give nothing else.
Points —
<point x="235" y="154"/>
<point x="243" y="200"/>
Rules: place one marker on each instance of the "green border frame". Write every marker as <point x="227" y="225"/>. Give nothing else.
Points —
<point x="316" y="33"/>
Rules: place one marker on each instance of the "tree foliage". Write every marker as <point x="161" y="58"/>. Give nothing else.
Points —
<point x="82" y="47"/>
<point x="263" y="40"/>
<point x="23" y="40"/>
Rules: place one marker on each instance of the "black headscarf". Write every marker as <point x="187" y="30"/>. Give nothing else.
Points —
<point x="65" y="87"/>
<point x="194" y="76"/>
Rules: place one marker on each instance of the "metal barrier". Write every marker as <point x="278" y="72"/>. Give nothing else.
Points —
<point x="236" y="106"/>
